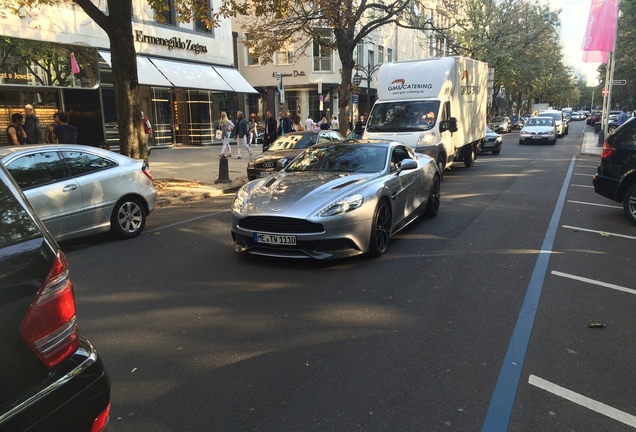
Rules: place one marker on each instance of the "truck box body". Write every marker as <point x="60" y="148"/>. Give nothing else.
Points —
<point x="416" y="99"/>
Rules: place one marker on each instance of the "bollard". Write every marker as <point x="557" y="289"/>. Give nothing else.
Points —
<point x="224" y="174"/>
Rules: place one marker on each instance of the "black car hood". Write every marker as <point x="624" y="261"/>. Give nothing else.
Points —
<point x="276" y="155"/>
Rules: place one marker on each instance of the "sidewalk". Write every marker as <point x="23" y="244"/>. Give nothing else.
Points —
<point x="191" y="173"/>
<point x="590" y="145"/>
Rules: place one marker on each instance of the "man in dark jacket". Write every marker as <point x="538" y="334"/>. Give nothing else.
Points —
<point x="288" y="124"/>
<point x="270" y="130"/>
<point x="32" y="126"/>
<point x="241" y="134"/>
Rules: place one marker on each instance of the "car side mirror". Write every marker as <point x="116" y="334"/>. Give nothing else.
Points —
<point x="448" y="125"/>
<point x="408" y="164"/>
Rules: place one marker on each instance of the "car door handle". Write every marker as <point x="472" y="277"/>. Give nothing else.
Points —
<point x="69" y="188"/>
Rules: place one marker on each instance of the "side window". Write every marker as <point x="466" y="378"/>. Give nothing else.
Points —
<point x="323" y="136"/>
<point x="80" y="163"/>
<point x="334" y="136"/>
<point x="37" y="169"/>
<point x="399" y="153"/>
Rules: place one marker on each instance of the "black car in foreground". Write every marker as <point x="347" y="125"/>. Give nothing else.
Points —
<point x="616" y="175"/>
<point x="51" y="379"/>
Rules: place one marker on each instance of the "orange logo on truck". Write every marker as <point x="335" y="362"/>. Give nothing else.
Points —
<point x="401" y="81"/>
<point x="464" y="75"/>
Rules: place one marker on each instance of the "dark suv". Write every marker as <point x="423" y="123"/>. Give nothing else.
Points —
<point x="51" y="378"/>
<point x="616" y="175"/>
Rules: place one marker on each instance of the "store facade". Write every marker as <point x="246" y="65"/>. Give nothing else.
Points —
<point x="186" y="76"/>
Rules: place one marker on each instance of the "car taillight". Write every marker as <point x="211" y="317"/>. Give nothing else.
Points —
<point x="608" y="151"/>
<point x="49" y="326"/>
<point x="146" y="170"/>
<point x="100" y="422"/>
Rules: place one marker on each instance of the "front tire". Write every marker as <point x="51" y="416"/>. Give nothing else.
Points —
<point x="434" y="198"/>
<point x="128" y="218"/>
<point x="496" y="152"/>
<point x="629" y="203"/>
<point x="380" y="230"/>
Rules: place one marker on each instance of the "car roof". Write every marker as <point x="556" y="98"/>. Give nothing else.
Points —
<point x="8" y="150"/>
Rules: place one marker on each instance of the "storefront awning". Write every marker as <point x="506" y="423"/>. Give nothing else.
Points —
<point x="234" y="78"/>
<point x="191" y="76"/>
<point x="147" y="73"/>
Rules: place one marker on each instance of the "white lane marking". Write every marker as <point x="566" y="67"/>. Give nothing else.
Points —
<point x="599" y="232"/>
<point x="587" y="166"/>
<point x="594" y="204"/>
<point x="594" y="282"/>
<point x="584" y="401"/>
<point x="586" y="175"/>
<point x="585" y="186"/>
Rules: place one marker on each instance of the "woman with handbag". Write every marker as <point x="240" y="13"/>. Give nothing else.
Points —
<point x="226" y="126"/>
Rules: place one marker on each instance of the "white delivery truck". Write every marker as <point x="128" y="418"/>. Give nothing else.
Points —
<point x="435" y="106"/>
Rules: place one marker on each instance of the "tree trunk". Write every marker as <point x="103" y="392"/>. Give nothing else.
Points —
<point x="346" y="47"/>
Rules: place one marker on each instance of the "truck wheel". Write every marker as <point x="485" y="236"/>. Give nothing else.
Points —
<point x="469" y="156"/>
<point x="629" y="203"/>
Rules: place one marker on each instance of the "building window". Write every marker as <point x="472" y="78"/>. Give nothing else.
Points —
<point x="251" y="59"/>
<point x="202" y="18"/>
<point x="371" y="57"/>
<point x="322" y="51"/>
<point x="286" y="55"/>
<point x="389" y="55"/>
<point x="164" y="12"/>
<point x="360" y="54"/>
<point x="380" y="54"/>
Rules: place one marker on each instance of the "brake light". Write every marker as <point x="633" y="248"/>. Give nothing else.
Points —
<point x="100" y="422"/>
<point x="49" y="326"/>
<point x="146" y="170"/>
<point x="608" y="150"/>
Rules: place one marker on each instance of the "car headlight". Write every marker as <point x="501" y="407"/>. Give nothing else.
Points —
<point x="499" y="139"/>
<point x="239" y="205"/>
<point x="524" y="133"/>
<point x="250" y="165"/>
<point x="426" y="139"/>
<point x="343" y="205"/>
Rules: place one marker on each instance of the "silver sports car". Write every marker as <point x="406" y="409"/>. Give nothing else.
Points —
<point x="336" y="200"/>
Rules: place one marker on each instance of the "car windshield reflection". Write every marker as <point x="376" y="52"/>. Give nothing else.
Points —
<point x="341" y="158"/>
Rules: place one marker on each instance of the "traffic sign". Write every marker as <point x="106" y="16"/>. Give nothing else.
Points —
<point x="604" y="92"/>
<point x="619" y="82"/>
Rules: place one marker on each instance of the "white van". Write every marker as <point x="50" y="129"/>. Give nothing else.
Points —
<point x="435" y="106"/>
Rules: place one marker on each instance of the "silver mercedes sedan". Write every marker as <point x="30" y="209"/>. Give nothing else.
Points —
<point x="336" y="200"/>
<point x="79" y="190"/>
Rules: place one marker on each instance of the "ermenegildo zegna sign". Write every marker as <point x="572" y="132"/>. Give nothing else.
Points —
<point x="47" y="64"/>
<point x="171" y="43"/>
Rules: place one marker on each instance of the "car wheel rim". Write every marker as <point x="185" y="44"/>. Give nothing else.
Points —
<point x="383" y="227"/>
<point x="632" y="205"/>
<point x="436" y="195"/>
<point x="130" y="217"/>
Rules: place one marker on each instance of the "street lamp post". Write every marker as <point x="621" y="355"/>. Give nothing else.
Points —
<point x="368" y="72"/>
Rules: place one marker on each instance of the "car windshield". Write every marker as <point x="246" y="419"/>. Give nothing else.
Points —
<point x="408" y="115"/>
<point x="497" y="119"/>
<point x="538" y="121"/>
<point x="293" y="141"/>
<point x="350" y="158"/>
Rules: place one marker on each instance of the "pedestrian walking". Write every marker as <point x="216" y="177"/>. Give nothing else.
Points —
<point x="15" y="133"/>
<point x="65" y="133"/>
<point x="270" y="130"/>
<point x="49" y="136"/>
<point x="226" y="126"/>
<point x="622" y="117"/>
<point x="288" y="123"/>
<point x="32" y="126"/>
<point x="324" y="124"/>
<point x="147" y="128"/>
<point x="298" y="127"/>
<point x="335" y="125"/>
<point x="242" y="129"/>
<point x="309" y="123"/>
<point x="253" y="129"/>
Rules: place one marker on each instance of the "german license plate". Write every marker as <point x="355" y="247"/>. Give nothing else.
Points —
<point x="275" y="239"/>
<point x="537" y="137"/>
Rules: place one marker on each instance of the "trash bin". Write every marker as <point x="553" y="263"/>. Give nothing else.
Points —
<point x="597" y="127"/>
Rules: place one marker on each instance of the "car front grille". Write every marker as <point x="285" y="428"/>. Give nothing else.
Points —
<point x="283" y="225"/>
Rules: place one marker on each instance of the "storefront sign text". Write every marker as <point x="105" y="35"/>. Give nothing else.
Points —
<point x="289" y="74"/>
<point x="172" y="43"/>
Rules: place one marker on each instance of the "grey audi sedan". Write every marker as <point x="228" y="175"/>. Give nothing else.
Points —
<point x="79" y="190"/>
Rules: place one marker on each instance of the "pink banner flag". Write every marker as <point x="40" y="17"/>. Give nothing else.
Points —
<point x="600" y="33"/>
<point x="74" y="66"/>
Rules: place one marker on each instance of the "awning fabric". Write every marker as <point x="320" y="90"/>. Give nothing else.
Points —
<point x="234" y="78"/>
<point x="191" y="76"/>
<point x="147" y="73"/>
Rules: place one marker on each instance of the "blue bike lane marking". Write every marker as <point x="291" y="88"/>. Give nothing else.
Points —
<point x="503" y="398"/>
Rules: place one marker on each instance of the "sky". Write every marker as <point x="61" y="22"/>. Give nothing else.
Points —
<point x="574" y="16"/>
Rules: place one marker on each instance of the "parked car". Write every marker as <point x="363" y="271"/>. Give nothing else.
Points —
<point x="500" y="124"/>
<point x="595" y="116"/>
<point x="286" y="147"/>
<point x="538" y="130"/>
<point x="52" y="378"/>
<point x="516" y="122"/>
<point x="335" y="200"/>
<point x="616" y="174"/>
<point x="612" y="120"/>
<point x="80" y="190"/>
<point x="578" y="115"/>
<point x="562" y="124"/>
<point x="492" y="143"/>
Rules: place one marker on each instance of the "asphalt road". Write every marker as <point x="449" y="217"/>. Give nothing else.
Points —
<point x="475" y="320"/>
